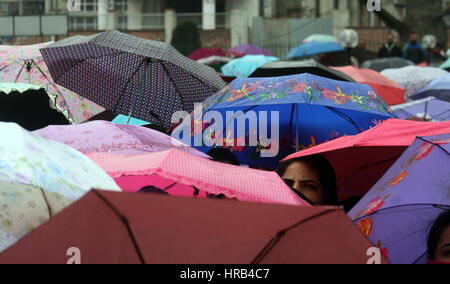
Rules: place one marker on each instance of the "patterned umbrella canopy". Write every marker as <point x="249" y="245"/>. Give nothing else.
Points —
<point x="413" y="78"/>
<point x="38" y="178"/>
<point x="299" y="111"/>
<point x="24" y="64"/>
<point x="398" y="212"/>
<point x="146" y="79"/>
<point x="107" y="137"/>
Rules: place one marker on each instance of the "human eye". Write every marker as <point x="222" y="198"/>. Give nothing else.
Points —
<point x="289" y="182"/>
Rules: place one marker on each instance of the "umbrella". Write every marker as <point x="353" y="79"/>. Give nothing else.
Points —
<point x="244" y="66"/>
<point x="107" y="137"/>
<point x="298" y="111"/>
<point x="321" y="38"/>
<point x="182" y="174"/>
<point x="212" y="60"/>
<point x="386" y="63"/>
<point x="391" y="92"/>
<point x="28" y="105"/>
<point x="206" y="52"/>
<point x="24" y="64"/>
<point x="413" y="78"/>
<point x="445" y="65"/>
<point x="284" y="68"/>
<point x="361" y="160"/>
<point x="438" y="88"/>
<point x="32" y="167"/>
<point x="122" y="119"/>
<point x="313" y="48"/>
<point x="35" y="205"/>
<point x="246" y="49"/>
<point x="146" y="79"/>
<point x="398" y="212"/>
<point x="426" y="109"/>
<point x="147" y="228"/>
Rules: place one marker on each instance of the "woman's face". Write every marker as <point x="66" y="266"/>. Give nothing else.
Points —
<point x="305" y="180"/>
<point x="442" y="253"/>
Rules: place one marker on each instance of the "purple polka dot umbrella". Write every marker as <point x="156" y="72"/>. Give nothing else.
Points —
<point x="146" y="79"/>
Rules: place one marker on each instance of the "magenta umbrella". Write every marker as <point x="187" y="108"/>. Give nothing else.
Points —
<point x="107" y="137"/>
<point x="181" y="174"/>
<point x="246" y="49"/>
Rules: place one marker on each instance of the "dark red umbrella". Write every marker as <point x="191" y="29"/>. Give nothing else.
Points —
<point x="149" y="228"/>
<point x="206" y="52"/>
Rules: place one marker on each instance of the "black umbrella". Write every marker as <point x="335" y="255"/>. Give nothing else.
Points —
<point x="386" y="63"/>
<point x="285" y="68"/>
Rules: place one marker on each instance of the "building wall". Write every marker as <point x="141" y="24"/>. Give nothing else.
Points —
<point x="214" y="38"/>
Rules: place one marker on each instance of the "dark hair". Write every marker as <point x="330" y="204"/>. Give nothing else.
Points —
<point x="441" y="223"/>
<point x="327" y="177"/>
<point x="223" y="155"/>
<point x="153" y="189"/>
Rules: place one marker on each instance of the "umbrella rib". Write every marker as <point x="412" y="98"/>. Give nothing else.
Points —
<point x="51" y="213"/>
<point x="55" y="86"/>
<point x="126" y="85"/>
<point x="20" y="71"/>
<point x="125" y="221"/>
<point x="437" y="145"/>
<point x="344" y="116"/>
<point x="273" y="242"/>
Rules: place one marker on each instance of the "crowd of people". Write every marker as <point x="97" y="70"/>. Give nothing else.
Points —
<point x="412" y="51"/>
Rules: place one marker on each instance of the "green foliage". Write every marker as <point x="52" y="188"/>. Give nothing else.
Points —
<point x="186" y="38"/>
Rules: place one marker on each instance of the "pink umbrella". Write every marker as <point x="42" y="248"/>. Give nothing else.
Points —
<point x="107" y="137"/>
<point x="25" y="64"/>
<point x="181" y="174"/>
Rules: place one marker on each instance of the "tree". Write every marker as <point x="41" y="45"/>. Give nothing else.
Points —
<point x="422" y="16"/>
<point x="186" y="38"/>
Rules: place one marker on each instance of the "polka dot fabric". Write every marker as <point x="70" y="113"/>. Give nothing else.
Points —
<point x="127" y="74"/>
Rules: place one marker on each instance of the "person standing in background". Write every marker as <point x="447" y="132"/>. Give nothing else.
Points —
<point x="413" y="50"/>
<point x="389" y="49"/>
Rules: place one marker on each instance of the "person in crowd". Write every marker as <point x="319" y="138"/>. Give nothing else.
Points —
<point x="389" y="49"/>
<point x="413" y="50"/>
<point x="361" y="53"/>
<point x="223" y="155"/>
<point x="436" y="55"/>
<point x="312" y="178"/>
<point x="439" y="239"/>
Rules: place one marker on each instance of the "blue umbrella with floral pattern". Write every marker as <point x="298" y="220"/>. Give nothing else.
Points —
<point x="274" y="117"/>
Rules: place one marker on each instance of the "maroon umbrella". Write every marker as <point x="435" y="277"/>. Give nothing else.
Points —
<point x="148" y="228"/>
<point x="206" y="52"/>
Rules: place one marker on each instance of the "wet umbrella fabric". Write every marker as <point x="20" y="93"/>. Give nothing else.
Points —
<point x="150" y="228"/>
<point x="145" y="79"/>
<point x="398" y="212"/>
<point x="285" y="68"/>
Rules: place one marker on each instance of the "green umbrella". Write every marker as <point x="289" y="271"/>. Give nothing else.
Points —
<point x="321" y="38"/>
<point x="446" y="65"/>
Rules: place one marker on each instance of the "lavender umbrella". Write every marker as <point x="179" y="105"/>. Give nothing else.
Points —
<point x="145" y="79"/>
<point x="428" y="109"/>
<point x="398" y="212"/>
<point x="107" y="137"/>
